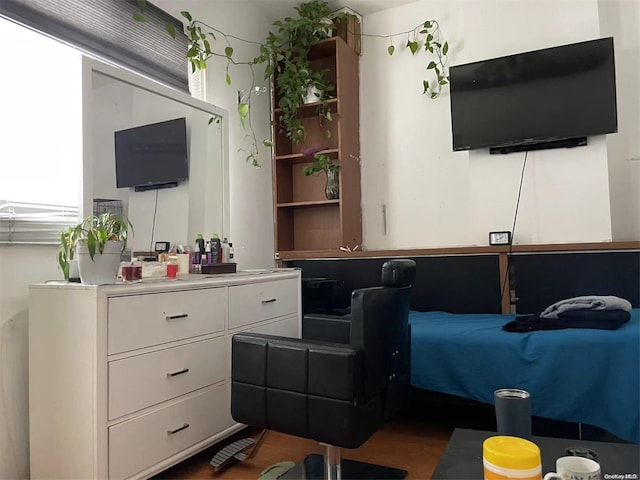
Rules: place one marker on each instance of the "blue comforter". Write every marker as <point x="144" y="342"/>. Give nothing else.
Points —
<point x="577" y="375"/>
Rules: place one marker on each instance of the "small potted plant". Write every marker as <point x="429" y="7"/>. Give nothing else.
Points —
<point x="323" y="163"/>
<point x="99" y="242"/>
<point x="67" y="253"/>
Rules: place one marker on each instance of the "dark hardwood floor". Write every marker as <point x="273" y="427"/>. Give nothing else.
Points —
<point x="402" y="444"/>
<point x="414" y="441"/>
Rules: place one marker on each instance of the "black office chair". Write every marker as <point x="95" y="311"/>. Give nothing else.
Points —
<point x="337" y="385"/>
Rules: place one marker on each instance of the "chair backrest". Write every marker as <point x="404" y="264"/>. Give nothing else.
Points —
<point x="380" y="325"/>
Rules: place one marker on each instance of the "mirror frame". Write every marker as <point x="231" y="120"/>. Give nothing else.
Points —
<point x="91" y="66"/>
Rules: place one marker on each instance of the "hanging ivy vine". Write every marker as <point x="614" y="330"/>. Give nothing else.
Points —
<point x="284" y="53"/>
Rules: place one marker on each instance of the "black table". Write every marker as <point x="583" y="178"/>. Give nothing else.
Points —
<point x="463" y="457"/>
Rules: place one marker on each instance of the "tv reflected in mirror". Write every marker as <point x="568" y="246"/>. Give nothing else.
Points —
<point x="152" y="156"/>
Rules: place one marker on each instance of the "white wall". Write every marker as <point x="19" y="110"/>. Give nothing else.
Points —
<point x="405" y="139"/>
<point x="19" y="266"/>
<point x="250" y="189"/>
<point x="621" y="19"/>
<point x="435" y="197"/>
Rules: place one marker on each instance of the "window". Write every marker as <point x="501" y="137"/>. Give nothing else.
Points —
<point x="40" y="135"/>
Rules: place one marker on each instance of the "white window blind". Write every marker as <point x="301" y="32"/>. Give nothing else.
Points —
<point x="40" y="136"/>
<point x="107" y="29"/>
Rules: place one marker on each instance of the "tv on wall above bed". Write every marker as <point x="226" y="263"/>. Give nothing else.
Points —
<point x="540" y="99"/>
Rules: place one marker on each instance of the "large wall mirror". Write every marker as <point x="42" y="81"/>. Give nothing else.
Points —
<point x="116" y="100"/>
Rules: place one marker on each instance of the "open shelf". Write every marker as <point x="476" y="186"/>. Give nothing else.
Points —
<point x="300" y="158"/>
<point x="311" y="109"/>
<point x="315" y="203"/>
<point x="304" y="219"/>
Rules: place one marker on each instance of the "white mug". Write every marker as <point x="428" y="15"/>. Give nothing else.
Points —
<point x="575" y="468"/>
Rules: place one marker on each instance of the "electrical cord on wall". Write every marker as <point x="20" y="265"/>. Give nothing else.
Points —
<point x="513" y="230"/>
<point x="153" y="225"/>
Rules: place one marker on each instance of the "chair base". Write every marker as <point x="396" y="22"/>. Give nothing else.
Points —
<point x="313" y="468"/>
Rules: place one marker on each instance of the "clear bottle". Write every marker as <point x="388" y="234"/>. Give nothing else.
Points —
<point x="208" y="255"/>
<point x="226" y="250"/>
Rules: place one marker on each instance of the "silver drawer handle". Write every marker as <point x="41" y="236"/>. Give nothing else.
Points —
<point x="271" y="300"/>
<point x="171" y="432"/>
<point x="179" y="372"/>
<point x="176" y="317"/>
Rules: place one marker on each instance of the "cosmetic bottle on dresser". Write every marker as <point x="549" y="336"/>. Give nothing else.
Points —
<point x="216" y="249"/>
<point x="207" y="252"/>
<point x="226" y="249"/>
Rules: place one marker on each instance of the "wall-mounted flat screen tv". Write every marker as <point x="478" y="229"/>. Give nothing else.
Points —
<point x="530" y="98"/>
<point x="152" y="156"/>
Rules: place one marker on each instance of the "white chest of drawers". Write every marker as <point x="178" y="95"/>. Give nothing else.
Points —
<point x="127" y="380"/>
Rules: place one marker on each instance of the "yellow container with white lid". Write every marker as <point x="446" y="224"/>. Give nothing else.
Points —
<point x="511" y="457"/>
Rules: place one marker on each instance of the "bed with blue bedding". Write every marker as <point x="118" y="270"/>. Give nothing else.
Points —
<point x="582" y="375"/>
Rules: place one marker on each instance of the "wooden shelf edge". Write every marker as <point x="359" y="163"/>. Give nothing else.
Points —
<point x="482" y="250"/>
<point x="331" y="101"/>
<point x="299" y="156"/>
<point x="316" y="203"/>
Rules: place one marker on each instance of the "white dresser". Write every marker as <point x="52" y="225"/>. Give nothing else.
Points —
<point x="127" y="380"/>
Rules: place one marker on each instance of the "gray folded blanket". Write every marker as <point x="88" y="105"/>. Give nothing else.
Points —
<point x="589" y="302"/>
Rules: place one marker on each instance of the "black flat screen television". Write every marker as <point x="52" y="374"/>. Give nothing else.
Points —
<point x="535" y="97"/>
<point x="152" y="156"/>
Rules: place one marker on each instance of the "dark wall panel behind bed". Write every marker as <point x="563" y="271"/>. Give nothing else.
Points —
<point x="456" y="284"/>
<point x="542" y="279"/>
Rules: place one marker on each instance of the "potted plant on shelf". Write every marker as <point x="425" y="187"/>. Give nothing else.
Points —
<point x="323" y="163"/>
<point x="286" y="53"/>
<point x="99" y="242"/>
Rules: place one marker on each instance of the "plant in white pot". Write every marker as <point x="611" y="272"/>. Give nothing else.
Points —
<point x="67" y="253"/>
<point x="101" y="241"/>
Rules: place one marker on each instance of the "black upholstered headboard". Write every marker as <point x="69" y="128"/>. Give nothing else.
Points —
<point x="542" y="279"/>
<point x="470" y="283"/>
<point x="457" y="284"/>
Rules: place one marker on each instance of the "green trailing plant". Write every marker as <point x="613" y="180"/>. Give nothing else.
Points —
<point x="95" y="231"/>
<point x="427" y="36"/>
<point x="322" y="163"/>
<point x="285" y="51"/>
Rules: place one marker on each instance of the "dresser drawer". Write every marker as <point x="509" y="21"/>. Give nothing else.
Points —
<point x="287" y="327"/>
<point x="145" y="380"/>
<point x="261" y="301"/>
<point x="139" y="443"/>
<point x="145" y="320"/>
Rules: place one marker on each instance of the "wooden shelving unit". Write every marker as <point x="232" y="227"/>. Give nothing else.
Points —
<point x="304" y="219"/>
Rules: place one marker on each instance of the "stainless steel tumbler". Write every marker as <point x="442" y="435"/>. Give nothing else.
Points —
<point x="513" y="412"/>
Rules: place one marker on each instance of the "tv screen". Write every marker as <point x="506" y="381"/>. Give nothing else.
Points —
<point x="546" y="95"/>
<point x="152" y="155"/>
